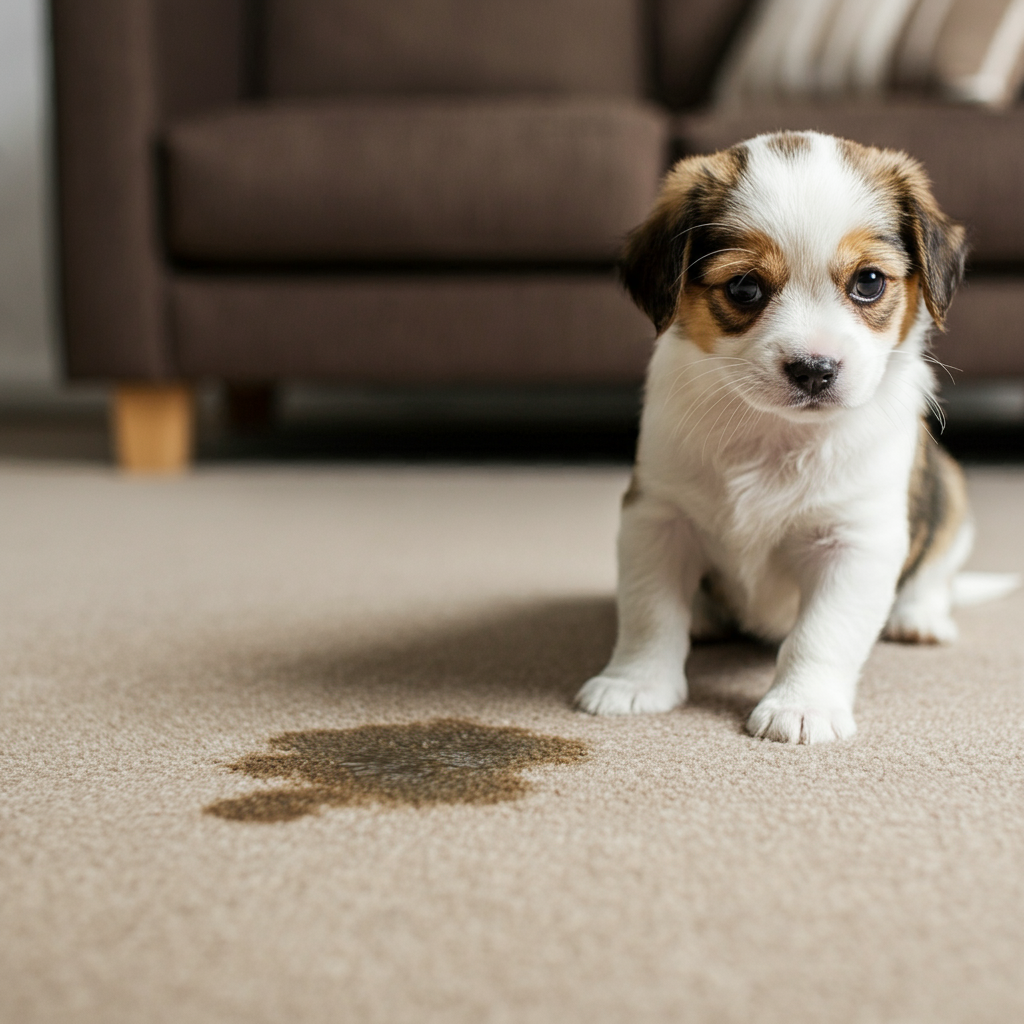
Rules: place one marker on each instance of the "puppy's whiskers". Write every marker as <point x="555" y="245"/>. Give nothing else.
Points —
<point x="885" y="408"/>
<point x="702" y="407"/>
<point x="708" y="255"/>
<point x="929" y="358"/>
<point x="735" y="394"/>
<point x="735" y="263"/>
<point x="697" y="227"/>
<point x="945" y="366"/>
<point x="930" y="401"/>
<point x="701" y="403"/>
<point x="683" y="377"/>
<point x="742" y="393"/>
<point x="751" y="413"/>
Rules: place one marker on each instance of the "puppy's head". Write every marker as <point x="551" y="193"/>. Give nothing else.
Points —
<point x="803" y="259"/>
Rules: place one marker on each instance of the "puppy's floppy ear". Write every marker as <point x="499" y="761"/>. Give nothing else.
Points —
<point x="939" y="250"/>
<point x="936" y="244"/>
<point x="653" y="262"/>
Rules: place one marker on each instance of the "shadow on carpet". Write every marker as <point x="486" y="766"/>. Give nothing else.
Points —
<point x="538" y="649"/>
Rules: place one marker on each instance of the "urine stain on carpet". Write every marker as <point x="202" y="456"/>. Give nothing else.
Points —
<point x="444" y="761"/>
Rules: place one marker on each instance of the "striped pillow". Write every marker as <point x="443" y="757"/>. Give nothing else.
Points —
<point x="979" y="53"/>
<point x="969" y="50"/>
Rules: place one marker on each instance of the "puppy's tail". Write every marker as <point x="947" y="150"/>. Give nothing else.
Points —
<point x="977" y="587"/>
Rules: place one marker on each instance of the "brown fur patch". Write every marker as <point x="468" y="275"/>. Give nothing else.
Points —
<point x="680" y="231"/>
<point x="937" y="504"/>
<point x="912" y="287"/>
<point x="705" y="310"/>
<point x="746" y="252"/>
<point x="701" y="323"/>
<point x="789" y="144"/>
<point x="863" y="249"/>
<point x="936" y="244"/>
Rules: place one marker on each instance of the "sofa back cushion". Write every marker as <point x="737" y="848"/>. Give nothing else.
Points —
<point x="413" y="179"/>
<point x="344" y="47"/>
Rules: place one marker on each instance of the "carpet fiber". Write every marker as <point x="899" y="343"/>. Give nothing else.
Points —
<point x="173" y="651"/>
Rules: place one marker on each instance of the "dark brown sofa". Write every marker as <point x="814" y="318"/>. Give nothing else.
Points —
<point x="418" y="191"/>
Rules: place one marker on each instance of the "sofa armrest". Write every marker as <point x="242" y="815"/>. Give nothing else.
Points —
<point x="121" y="68"/>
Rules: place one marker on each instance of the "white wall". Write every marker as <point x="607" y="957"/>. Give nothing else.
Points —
<point x="27" y="320"/>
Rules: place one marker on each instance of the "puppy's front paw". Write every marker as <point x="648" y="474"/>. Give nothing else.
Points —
<point x="789" y="721"/>
<point x="614" y="695"/>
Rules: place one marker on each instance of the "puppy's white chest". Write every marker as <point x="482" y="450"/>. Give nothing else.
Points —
<point x="750" y="541"/>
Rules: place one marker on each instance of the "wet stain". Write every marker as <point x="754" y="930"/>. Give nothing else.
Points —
<point x="444" y="761"/>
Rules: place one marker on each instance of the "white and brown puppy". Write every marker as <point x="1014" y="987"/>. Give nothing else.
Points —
<point x="784" y="483"/>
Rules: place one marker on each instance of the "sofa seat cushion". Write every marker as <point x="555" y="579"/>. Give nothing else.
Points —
<point x="410" y="329"/>
<point x="412" y="180"/>
<point x="975" y="157"/>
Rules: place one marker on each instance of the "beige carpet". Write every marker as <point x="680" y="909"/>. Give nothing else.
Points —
<point x="154" y="634"/>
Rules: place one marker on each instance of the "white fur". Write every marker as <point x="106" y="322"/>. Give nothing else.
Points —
<point x="800" y="514"/>
<point x="977" y="587"/>
<point x="923" y="608"/>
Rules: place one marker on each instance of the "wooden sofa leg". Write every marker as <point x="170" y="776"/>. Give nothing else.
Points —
<point x="153" y="427"/>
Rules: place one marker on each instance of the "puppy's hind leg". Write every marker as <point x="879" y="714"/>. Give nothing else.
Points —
<point x="660" y="565"/>
<point x="941" y="537"/>
<point x="921" y="612"/>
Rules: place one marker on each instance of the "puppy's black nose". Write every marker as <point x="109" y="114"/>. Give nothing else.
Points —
<point x="813" y="375"/>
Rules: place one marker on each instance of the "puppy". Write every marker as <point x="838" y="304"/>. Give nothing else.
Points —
<point x="785" y="484"/>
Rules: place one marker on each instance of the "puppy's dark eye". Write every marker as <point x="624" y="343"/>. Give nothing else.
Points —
<point x="744" y="290"/>
<point x="868" y="285"/>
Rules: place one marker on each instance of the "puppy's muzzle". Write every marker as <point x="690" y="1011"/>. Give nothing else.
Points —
<point x="814" y="375"/>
